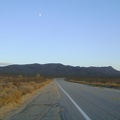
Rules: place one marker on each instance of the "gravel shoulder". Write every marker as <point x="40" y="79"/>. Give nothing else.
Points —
<point x="43" y="106"/>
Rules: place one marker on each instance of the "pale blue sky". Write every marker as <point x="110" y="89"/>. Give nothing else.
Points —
<point x="71" y="32"/>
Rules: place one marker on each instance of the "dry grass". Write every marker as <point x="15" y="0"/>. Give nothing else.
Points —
<point x="12" y="89"/>
<point x="113" y="82"/>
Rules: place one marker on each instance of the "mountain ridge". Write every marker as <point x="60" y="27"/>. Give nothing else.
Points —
<point x="58" y="70"/>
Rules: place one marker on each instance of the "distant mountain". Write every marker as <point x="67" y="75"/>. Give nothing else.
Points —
<point x="58" y="70"/>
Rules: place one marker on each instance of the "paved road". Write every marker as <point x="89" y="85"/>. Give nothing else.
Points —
<point x="97" y="103"/>
<point x="63" y="100"/>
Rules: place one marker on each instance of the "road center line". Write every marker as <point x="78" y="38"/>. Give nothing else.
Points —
<point x="80" y="110"/>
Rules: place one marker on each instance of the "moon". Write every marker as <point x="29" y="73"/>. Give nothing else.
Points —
<point x="40" y="14"/>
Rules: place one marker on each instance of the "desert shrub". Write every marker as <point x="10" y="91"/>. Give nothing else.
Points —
<point x="12" y="88"/>
<point x="98" y="81"/>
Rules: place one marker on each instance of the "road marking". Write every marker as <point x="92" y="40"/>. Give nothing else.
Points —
<point x="80" y="110"/>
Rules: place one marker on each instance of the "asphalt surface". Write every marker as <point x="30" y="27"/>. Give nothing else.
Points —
<point x="63" y="100"/>
<point x="96" y="102"/>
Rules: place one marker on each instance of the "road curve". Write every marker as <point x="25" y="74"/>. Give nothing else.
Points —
<point x="62" y="100"/>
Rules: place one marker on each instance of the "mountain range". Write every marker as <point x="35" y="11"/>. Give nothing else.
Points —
<point x="58" y="70"/>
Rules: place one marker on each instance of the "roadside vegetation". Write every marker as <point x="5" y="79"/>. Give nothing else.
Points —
<point x="111" y="82"/>
<point x="13" y="88"/>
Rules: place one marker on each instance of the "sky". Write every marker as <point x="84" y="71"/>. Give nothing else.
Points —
<point x="72" y="32"/>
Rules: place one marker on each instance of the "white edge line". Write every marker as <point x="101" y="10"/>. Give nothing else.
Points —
<point x="80" y="110"/>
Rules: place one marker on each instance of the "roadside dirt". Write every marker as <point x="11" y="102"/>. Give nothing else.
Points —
<point x="43" y="106"/>
<point x="13" y="108"/>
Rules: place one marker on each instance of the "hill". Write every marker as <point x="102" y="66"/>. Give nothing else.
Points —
<point x="58" y="70"/>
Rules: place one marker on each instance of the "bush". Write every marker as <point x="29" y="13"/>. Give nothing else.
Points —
<point x="13" y="88"/>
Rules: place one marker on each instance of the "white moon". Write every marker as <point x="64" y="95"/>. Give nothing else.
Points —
<point x="40" y="14"/>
